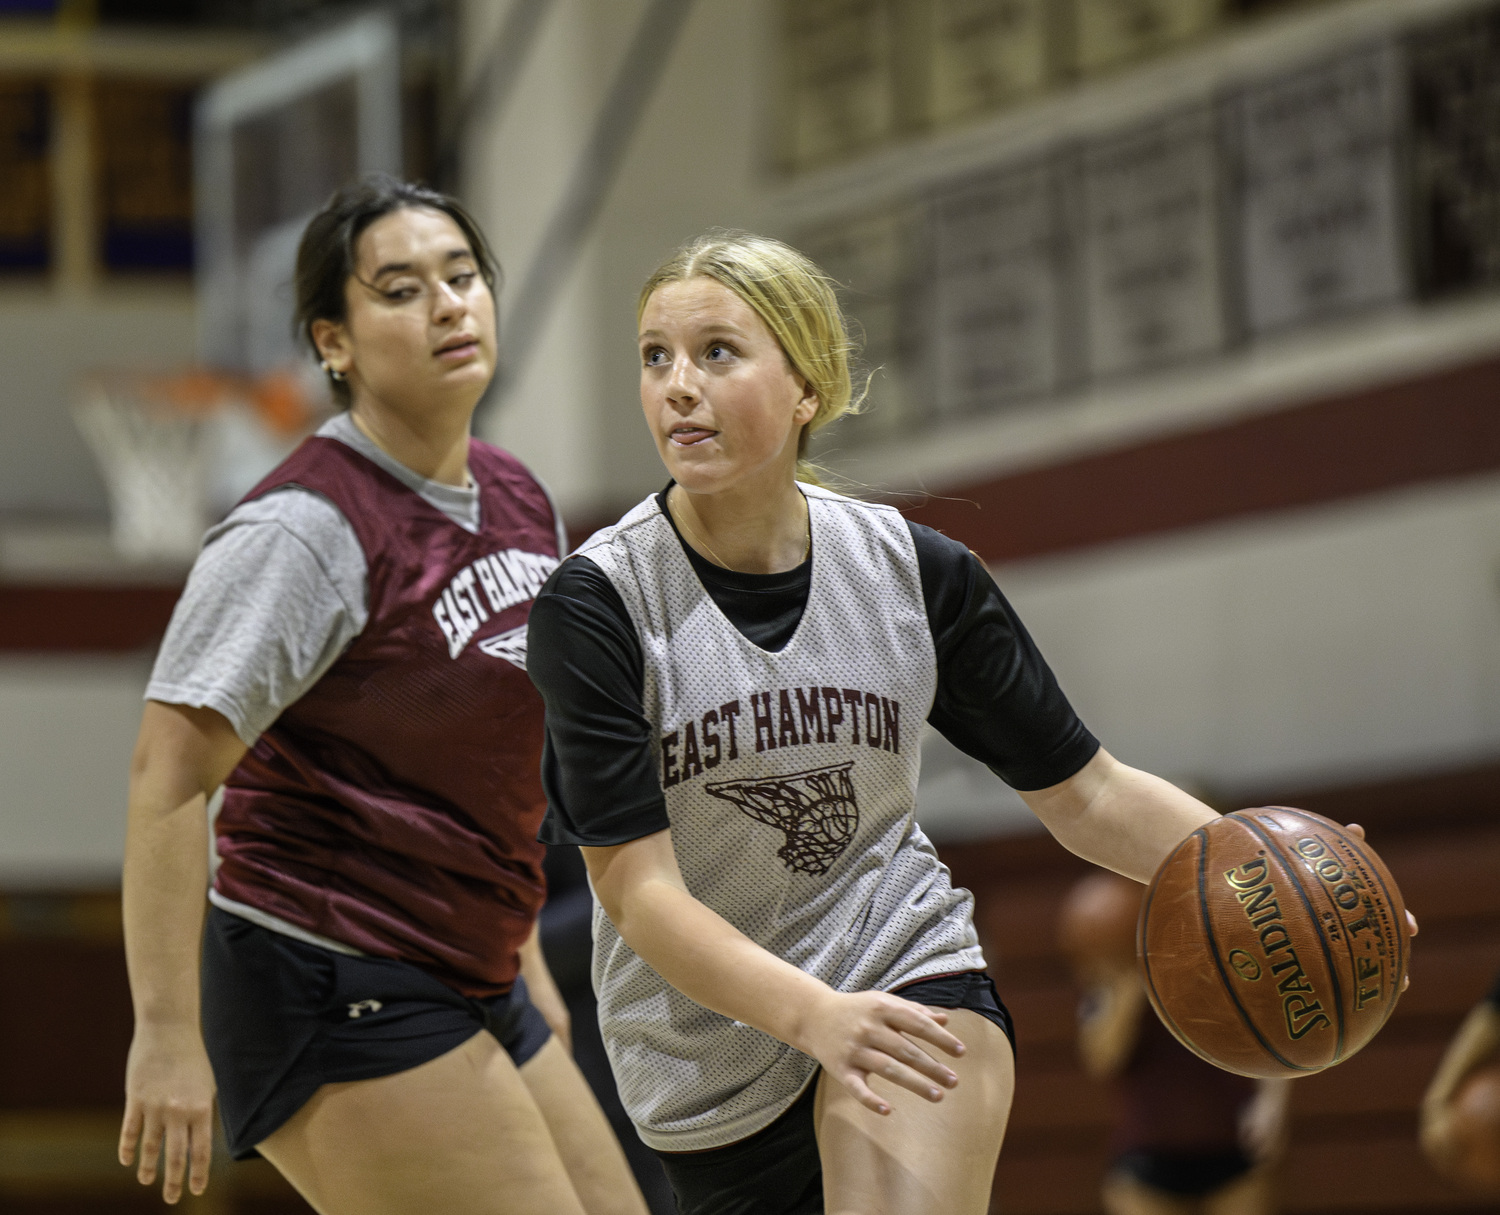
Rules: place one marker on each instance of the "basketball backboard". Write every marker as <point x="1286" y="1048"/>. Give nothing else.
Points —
<point x="271" y="143"/>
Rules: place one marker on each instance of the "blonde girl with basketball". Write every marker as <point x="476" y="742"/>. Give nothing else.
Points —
<point x="358" y="978"/>
<point x="792" y="993"/>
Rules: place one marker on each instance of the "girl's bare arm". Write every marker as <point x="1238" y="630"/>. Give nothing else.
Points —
<point x="1118" y="817"/>
<point x="181" y="756"/>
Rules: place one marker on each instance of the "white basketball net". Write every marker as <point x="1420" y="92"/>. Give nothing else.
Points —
<point x="155" y="460"/>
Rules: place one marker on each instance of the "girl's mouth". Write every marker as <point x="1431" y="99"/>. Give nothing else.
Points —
<point x="460" y="350"/>
<point x="688" y="436"/>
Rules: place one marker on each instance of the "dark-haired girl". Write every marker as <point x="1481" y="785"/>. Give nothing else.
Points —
<point x="343" y="683"/>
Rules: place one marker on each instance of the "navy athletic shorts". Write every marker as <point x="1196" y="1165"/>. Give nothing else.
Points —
<point x="777" y="1171"/>
<point x="281" y="1018"/>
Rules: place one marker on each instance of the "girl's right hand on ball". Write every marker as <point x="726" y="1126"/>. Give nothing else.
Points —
<point x="870" y="1033"/>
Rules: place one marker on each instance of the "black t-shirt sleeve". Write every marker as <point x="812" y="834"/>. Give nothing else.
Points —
<point x="997" y="700"/>
<point x="598" y="753"/>
<point x="1495" y="995"/>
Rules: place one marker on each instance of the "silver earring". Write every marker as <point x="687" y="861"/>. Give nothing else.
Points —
<point x="332" y="373"/>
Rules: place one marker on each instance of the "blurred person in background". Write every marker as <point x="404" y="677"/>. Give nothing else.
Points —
<point x="1189" y="1138"/>
<point x="347" y="665"/>
<point x="1461" y="1129"/>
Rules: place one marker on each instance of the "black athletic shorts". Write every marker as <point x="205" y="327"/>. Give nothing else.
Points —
<point x="1184" y="1174"/>
<point x="777" y="1171"/>
<point x="281" y="1018"/>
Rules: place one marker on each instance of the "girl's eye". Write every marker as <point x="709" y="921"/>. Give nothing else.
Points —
<point x="718" y="350"/>
<point x="655" y="356"/>
<point x="463" y="280"/>
<point x="399" y="294"/>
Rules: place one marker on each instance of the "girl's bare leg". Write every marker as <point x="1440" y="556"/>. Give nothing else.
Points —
<point x="921" y="1157"/>
<point x="461" y="1135"/>
<point x="585" y="1141"/>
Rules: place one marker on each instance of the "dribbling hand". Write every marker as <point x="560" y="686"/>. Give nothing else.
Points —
<point x="856" y="1036"/>
<point x="169" y="1106"/>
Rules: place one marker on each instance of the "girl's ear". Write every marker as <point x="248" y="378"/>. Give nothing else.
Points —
<point x="332" y="341"/>
<point x="807" y="407"/>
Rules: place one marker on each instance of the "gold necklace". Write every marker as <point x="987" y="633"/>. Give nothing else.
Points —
<point x="718" y="560"/>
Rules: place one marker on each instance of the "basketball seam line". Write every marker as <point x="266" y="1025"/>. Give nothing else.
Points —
<point x="1141" y="934"/>
<point x="1338" y="995"/>
<point x="1213" y="949"/>
<point x="1401" y="941"/>
<point x="1344" y="933"/>
<point x="1161" y="1009"/>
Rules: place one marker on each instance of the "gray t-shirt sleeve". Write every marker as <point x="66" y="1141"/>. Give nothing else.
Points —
<point x="276" y="595"/>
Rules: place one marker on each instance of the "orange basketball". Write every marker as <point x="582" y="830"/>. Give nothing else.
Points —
<point x="1273" y="942"/>
<point x="1098" y="919"/>
<point x="1475" y="1126"/>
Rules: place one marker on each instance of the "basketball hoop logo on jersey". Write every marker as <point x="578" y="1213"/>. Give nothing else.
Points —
<point x="486" y="588"/>
<point x="816" y="810"/>
<point x="510" y="646"/>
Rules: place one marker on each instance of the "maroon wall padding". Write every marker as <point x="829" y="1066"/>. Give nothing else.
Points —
<point x="1443" y="425"/>
<point x="65" y="1023"/>
<point x="83" y="617"/>
<point x="1421" y="801"/>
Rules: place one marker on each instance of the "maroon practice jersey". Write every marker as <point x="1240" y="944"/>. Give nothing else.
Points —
<point x="394" y="807"/>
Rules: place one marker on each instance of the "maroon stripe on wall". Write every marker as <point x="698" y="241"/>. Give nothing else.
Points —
<point x="1443" y="425"/>
<point x="84" y="618"/>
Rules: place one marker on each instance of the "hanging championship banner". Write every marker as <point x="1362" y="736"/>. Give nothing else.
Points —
<point x="145" y="175"/>
<point x="1110" y="32"/>
<point x="998" y="292"/>
<point x="840" y="79"/>
<point x="875" y="259"/>
<point x="988" y="53"/>
<point x="1152" y="265"/>
<point x="1320" y="216"/>
<point x="25" y="180"/>
<point x="1455" y="104"/>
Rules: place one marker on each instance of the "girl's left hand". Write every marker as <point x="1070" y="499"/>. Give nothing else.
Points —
<point x="870" y="1033"/>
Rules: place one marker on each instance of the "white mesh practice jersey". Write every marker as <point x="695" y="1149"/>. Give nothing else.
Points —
<point x="790" y="780"/>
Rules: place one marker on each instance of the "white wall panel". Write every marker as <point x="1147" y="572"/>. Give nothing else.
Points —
<point x="1345" y="643"/>
<point x="67" y="726"/>
<point x="517" y="163"/>
<point x="698" y="160"/>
